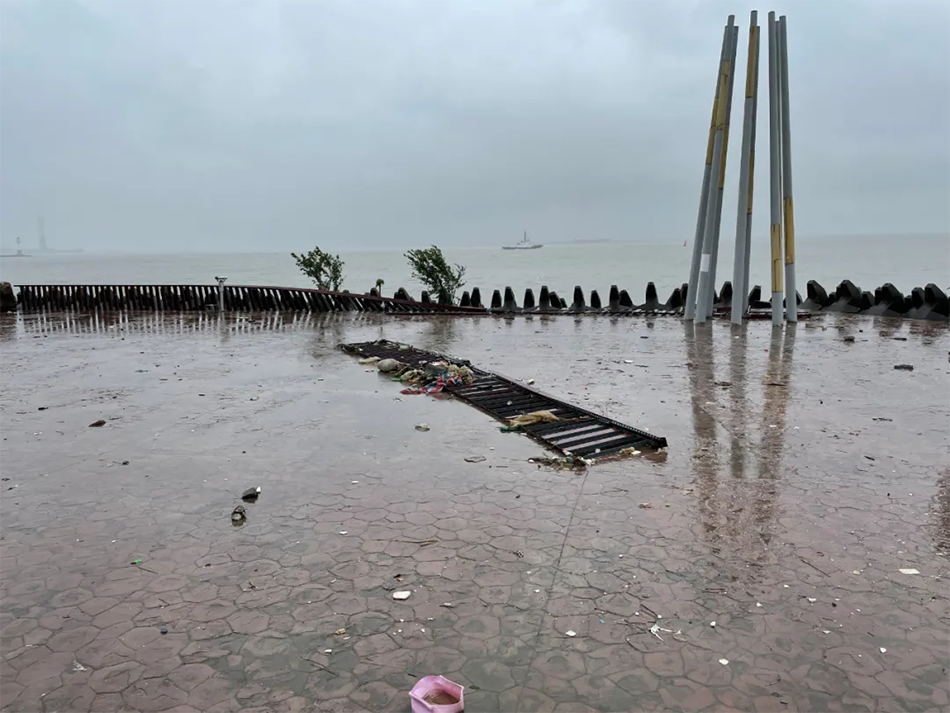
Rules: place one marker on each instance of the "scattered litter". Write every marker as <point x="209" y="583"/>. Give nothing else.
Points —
<point x="369" y="360"/>
<point x="570" y="632"/>
<point x="141" y="371"/>
<point x="883" y="650"/>
<point x="400" y="596"/>
<point x="645" y="506"/>
<point x="724" y="662"/>
<point x="655" y="630"/>
<point x="825" y="631"/>
<point x="43" y="408"/>
<point x="422" y="426"/>
<point x="812" y="599"/>
<point x="250" y="495"/>
<point x="909" y="570"/>
<point x="904" y="367"/>
<point x="342" y="532"/>
<point x="164" y="630"/>
<point x="631" y="451"/>
<point x="97" y="424"/>
<point x="712" y="624"/>
<point x="758" y="604"/>
<point x="435" y="693"/>
<point x="354" y="482"/>
<point x="601" y="621"/>
<point x="536" y="591"/>
<point x="849" y="339"/>
<point x="340" y="632"/>
<point x="565" y="462"/>
<point x="530" y="382"/>
<point x="526" y="419"/>
<point x="238" y="516"/>
<point x="77" y="667"/>
<point x="447" y="605"/>
<point x="475" y="459"/>
<point x="125" y="462"/>
<point x="138" y="561"/>
<point x="328" y="651"/>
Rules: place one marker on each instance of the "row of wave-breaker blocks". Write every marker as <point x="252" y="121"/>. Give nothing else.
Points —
<point x="928" y="302"/>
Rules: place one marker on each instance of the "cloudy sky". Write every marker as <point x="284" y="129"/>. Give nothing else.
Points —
<point x="168" y="125"/>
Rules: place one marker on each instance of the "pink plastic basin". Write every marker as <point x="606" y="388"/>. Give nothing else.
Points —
<point x="435" y="694"/>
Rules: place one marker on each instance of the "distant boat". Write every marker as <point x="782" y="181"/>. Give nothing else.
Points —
<point x="525" y="244"/>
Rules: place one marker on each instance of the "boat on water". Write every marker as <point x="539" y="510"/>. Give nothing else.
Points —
<point x="525" y="244"/>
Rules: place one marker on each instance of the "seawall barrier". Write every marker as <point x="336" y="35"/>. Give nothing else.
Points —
<point x="929" y="302"/>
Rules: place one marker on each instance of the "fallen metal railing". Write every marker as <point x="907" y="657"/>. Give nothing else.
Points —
<point x="579" y="432"/>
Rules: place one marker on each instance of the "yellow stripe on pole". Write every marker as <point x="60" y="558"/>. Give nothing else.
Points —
<point x="789" y="220"/>
<point x="776" y="235"/>
<point x="752" y="61"/>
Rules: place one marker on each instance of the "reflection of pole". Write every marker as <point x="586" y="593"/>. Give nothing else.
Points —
<point x="703" y="301"/>
<point x="739" y="288"/>
<point x="704" y="192"/>
<point x="775" y="232"/>
<point x="791" y="307"/>
<point x="714" y="255"/>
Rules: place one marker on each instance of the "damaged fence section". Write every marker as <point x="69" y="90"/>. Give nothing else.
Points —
<point x="563" y="427"/>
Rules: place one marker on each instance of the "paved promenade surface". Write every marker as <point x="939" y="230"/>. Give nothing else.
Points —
<point x="804" y="473"/>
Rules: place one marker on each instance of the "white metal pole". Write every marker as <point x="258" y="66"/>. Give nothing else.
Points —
<point x="755" y="122"/>
<point x="714" y="254"/>
<point x="775" y="158"/>
<point x="693" y="285"/>
<point x="791" y="300"/>
<point x="703" y="301"/>
<point x="739" y="288"/>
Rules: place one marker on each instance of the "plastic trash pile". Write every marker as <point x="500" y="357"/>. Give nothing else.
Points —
<point x="430" y="380"/>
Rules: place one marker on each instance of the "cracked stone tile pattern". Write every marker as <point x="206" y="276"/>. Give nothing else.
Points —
<point x="803" y="474"/>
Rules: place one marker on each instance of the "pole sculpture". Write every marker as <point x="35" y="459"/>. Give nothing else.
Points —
<point x="740" y="279"/>
<point x="775" y="160"/>
<point x="717" y="226"/>
<point x="693" y="285"/>
<point x="791" y="299"/>
<point x="703" y="301"/>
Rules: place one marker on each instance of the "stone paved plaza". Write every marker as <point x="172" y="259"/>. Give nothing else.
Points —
<point x="803" y="474"/>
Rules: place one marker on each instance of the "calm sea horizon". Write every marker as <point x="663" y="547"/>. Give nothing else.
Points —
<point x="905" y="261"/>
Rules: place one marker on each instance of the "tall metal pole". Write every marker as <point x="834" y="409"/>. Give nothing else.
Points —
<point x="755" y="122"/>
<point x="791" y="306"/>
<point x="739" y="288"/>
<point x="714" y="254"/>
<point x="703" y="301"/>
<point x="775" y="157"/>
<point x="692" y="289"/>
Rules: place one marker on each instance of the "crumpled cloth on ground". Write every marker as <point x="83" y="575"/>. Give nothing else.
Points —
<point x="526" y="419"/>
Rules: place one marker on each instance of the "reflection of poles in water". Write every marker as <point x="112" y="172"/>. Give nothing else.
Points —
<point x="777" y="390"/>
<point x="738" y="444"/>
<point x="699" y="354"/>
<point x="941" y="512"/>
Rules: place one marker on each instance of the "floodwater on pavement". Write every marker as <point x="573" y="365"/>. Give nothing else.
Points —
<point x="794" y="554"/>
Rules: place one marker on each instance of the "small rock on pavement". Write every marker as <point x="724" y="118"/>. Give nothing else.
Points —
<point x="250" y="495"/>
<point x="904" y="367"/>
<point x="475" y="459"/>
<point x="400" y="596"/>
<point x="97" y="424"/>
<point x="422" y="426"/>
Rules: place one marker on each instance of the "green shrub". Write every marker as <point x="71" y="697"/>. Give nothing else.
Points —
<point x="324" y="269"/>
<point x="431" y="269"/>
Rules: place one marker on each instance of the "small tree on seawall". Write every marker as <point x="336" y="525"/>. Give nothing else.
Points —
<point x="324" y="269"/>
<point x="431" y="269"/>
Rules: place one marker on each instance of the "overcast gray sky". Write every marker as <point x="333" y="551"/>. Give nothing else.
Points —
<point x="164" y="125"/>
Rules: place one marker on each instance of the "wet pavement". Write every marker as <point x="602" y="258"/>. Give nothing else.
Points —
<point x="804" y="473"/>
